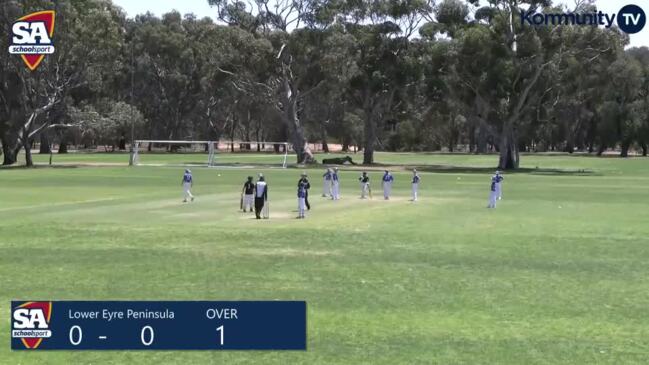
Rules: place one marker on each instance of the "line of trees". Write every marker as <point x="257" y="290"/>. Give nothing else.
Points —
<point x="402" y="75"/>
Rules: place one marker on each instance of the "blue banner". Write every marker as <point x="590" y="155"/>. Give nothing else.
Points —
<point x="158" y="325"/>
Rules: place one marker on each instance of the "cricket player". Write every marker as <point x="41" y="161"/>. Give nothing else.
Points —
<point x="387" y="184"/>
<point x="304" y="180"/>
<point x="326" y="184"/>
<point x="301" y="199"/>
<point x="335" y="183"/>
<point x="499" y="187"/>
<point x="415" y="184"/>
<point x="248" y="193"/>
<point x="493" y="194"/>
<point x="365" y="184"/>
<point x="187" y="183"/>
<point x="261" y="196"/>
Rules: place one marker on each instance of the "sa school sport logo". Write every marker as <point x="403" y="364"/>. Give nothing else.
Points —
<point x="30" y="321"/>
<point x="32" y="37"/>
<point x="631" y="19"/>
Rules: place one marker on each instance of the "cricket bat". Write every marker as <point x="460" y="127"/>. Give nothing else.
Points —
<point x="241" y="202"/>
<point x="369" y="188"/>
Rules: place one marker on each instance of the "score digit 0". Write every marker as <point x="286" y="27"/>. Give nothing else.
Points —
<point x="71" y="335"/>
<point x="144" y="330"/>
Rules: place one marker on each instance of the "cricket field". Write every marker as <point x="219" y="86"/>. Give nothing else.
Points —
<point x="557" y="274"/>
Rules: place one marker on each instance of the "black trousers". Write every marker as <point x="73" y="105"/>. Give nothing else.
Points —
<point x="306" y="200"/>
<point x="259" y="205"/>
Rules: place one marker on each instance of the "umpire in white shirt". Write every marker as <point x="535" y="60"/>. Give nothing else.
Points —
<point x="261" y="195"/>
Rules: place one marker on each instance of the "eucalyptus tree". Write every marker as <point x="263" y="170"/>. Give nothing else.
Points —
<point x="502" y="63"/>
<point x="291" y="29"/>
<point x="640" y="107"/>
<point x="82" y="55"/>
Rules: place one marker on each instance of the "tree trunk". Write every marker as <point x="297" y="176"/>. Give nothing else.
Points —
<point x="570" y="133"/>
<point x="8" y="151"/>
<point x="509" y="157"/>
<point x="45" y="147"/>
<point x="232" y="131"/>
<point x="296" y="133"/>
<point x="625" y="148"/>
<point x="63" y="147"/>
<point x="644" y="149"/>
<point x="472" y="141"/>
<point x="289" y="97"/>
<point x="601" y="149"/>
<point x="370" y="138"/>
<point x="451" y="141"/>
<point x="570" y="144"/>
<point x="28" y="153"/>
<point x="481" y="143"/>
<point x="325" y="146"/>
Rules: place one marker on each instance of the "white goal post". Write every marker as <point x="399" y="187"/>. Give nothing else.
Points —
<point x="210" y="148"/>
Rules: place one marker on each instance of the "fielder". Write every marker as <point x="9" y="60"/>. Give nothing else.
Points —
<point x="301" y="199"/>
<point x="415" y="184"/>
<point x="499" y="187"/>
<point x="304" y="180"/>
<point x="187" y="184"/>
<point x="248" y="193"/>
<point x="365" y="184"/>
<point x="493" y="194"/>
<point x="335" y="185"/>
<point x="326" y="184"/>
<point x="261" y="197"/>
<point x="387" y="184"/>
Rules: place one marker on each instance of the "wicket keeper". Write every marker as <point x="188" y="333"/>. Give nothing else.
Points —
<point x="248" y="192"/>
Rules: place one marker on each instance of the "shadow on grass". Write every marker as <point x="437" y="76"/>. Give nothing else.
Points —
<point x="490" y="170"/>
<point x="376" y="166"/>
<point x="433" y="169"/>
<point x="37" y="166"/>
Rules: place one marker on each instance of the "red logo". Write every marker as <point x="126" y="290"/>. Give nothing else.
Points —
<point x="31" y="323"/>
<point x="32" y="37"/>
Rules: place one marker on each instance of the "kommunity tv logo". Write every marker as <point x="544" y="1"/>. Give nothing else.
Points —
<point x="630" y="19"/>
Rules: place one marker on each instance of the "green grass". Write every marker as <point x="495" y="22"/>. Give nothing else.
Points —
<point x="556" y="275"/>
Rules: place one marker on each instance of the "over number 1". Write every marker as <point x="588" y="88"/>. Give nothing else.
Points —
<point x="220" y="329"/>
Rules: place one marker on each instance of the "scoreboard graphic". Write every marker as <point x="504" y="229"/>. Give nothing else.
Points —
<point x="158" y="325"/>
